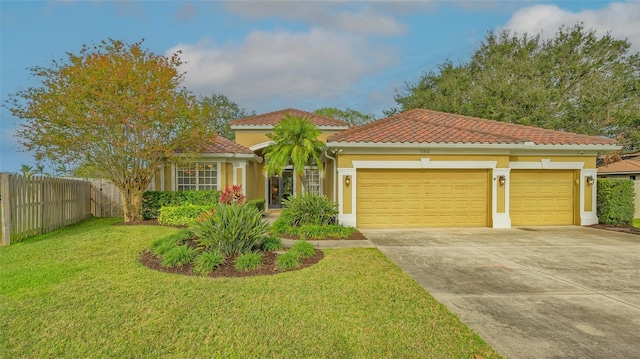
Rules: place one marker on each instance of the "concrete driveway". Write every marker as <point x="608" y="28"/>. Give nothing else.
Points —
<point x="539" y="292"/>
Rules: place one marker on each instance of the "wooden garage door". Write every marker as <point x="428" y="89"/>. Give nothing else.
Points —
<point x="541" y="198"/>
<point x="421" y="198"/>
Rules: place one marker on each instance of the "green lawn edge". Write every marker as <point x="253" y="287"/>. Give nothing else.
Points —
<point x="80" y="292"/>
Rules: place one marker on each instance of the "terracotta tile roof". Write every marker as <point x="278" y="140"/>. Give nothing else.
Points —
<point x="219" y="144"/>
<point x="273" y="118"/>
<point x="625" y="166"/>
<point x="427" y="126"/>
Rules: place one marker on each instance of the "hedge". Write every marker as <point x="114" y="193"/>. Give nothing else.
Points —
<point x="152" y="201"/>
<point x="182" y="215"/>
<point x="616" y="201"/>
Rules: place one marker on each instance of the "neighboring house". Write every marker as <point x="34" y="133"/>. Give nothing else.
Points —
<point x="627" y="167"/>
<point x="420" y="168"/>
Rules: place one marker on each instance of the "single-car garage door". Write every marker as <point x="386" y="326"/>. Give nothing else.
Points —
<point x="421" y="198"/>
<point x="542" y="197"/>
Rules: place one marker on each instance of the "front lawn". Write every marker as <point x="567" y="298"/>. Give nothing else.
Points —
<point x="80" y="292"/>
<point x="636" y="223"/>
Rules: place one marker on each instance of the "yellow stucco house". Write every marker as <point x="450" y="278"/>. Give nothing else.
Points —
<point x="419" y="168"/>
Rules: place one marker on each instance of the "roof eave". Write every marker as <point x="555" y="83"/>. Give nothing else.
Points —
<point x="270" y="127"/>
<point x="246" y="156"/>
<point x="510" y="146"/>
<point x="619" y="172"/>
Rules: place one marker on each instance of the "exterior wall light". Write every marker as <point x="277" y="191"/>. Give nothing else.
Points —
<point x="502" y="179"/>
<point x="347" y="180"/>
<point x="590" y="180"/>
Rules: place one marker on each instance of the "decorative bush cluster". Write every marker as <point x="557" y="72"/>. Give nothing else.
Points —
<point x="231" y="229"/>
<point x="234" y="228"/>
<point x="310" y="209"/>
<point x="616" y="205"/>
<point x="152" y="201"/>
<point x="310" y="217"/>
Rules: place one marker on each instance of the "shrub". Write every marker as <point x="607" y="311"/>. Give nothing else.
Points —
<point x="207" y="261"/>
<point x="231" y="229"/>
<point x="616" y="201"/>
<point x="178" y="256"/>
<point x="310" y="209"/>
<point x="272" y="243"/>
<point x="152" y="201"/>
<point x="283" y="224"/>
<point x="326" y="231"/>
<point x="257" y="203"/>
<point x="232" y="195"/>
<point x="248" y="261"/>
<point x="288" y="260"/>
<point x="164" y="244"/>
<point x="304" y="249"/>
<point x="181" y="215"/>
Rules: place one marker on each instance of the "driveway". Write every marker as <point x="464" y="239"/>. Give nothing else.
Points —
<point x="539" y="292"/>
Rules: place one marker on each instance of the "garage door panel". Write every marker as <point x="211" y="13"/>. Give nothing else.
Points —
<point x="541" y="197"/>
<point x="421" y="198"/>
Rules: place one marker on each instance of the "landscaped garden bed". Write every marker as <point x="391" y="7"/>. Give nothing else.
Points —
<point x="228" y="269"/>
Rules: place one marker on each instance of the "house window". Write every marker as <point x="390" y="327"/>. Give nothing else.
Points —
<point x="313" y="179"/>
<point x="197" y="176"/>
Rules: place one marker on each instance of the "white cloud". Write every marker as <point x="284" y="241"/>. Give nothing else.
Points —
<point x="621" y="19"/>
<point x="281" y="66"/>
<point x="334" y="15"/>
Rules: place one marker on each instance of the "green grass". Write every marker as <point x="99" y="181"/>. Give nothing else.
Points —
<point x="636" y="223"/>
<point x="80" y="292"/>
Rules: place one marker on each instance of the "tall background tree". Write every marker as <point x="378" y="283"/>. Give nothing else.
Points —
<point x="575" y="81"/>
<point x="114" y="107"/>
<point x="351" y="116"/>
<point x="217" y="110"/>
<point x="295" y="142"/>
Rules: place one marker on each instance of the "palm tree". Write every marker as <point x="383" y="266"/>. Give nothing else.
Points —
<point x="295" y="141"/>
<point x="27" y="170"/>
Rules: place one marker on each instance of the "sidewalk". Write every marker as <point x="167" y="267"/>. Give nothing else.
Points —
<point x="332" y="243"/>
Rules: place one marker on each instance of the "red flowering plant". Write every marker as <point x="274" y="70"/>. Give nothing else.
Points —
<point x="232" y="195"/>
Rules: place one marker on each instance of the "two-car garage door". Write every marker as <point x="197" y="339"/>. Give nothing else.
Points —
<point x="390" y="198"/>
<point x="422" y="198"/>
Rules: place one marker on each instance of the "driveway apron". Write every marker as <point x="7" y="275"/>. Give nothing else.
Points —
<point x="539" y="292"/>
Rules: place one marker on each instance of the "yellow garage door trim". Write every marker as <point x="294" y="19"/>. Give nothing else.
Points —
<point x="542" y="197"/>
<point x="421" y="198"/>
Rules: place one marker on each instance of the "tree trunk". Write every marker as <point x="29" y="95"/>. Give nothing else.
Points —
<point x="305" y="183"/>
<point x="132" y="204"/>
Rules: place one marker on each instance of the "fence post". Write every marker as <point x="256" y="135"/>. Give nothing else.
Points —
<point x="6" y="209"/>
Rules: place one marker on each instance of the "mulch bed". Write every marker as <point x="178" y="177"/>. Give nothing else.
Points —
<point x="623" y="229"/>
<point x="227" y="269"/>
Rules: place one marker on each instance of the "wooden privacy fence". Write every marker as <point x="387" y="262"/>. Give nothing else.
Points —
<point x="105" y="199"/>
<point x="636" y="184"/>
<point x="37" y="205"/>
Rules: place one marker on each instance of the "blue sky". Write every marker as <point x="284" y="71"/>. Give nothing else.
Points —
<point x="270" y="55"/>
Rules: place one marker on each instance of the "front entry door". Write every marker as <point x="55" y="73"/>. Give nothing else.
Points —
<point x="280" y="187"/>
